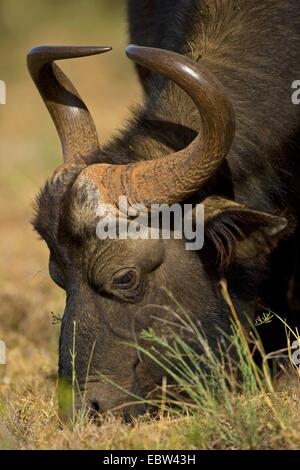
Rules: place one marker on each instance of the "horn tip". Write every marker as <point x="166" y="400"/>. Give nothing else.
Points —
<point x="63" y="52"/>
<point x="131" y="49"/>
<point x="104" y="48"/>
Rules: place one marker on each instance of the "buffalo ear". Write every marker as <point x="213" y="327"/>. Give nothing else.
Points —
<point x="240" y="233"/>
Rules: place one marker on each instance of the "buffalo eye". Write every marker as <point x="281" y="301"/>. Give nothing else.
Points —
<point x="125" y="279"/>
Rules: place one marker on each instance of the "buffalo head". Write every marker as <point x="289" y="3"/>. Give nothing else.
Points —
<point x="117" y="288"/>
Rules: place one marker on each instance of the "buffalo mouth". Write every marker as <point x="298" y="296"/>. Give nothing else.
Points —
<point x="96" y="400"/>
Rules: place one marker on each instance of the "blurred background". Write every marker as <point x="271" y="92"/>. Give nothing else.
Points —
<point x="30" y="151"/>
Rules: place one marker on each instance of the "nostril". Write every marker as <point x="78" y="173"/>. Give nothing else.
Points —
<point x="94" y="407"/>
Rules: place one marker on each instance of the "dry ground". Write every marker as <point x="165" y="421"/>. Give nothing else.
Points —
<point x="29" y="151"/>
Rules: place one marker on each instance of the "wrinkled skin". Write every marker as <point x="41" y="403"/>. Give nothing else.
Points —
<point x="111" y="316"/>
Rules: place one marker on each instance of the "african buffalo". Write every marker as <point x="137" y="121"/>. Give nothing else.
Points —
<point x="218" y="127"/>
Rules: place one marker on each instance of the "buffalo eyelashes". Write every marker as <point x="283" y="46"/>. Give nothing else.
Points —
<point x="125" y="279"/>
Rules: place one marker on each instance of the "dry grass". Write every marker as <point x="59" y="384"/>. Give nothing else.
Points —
<point x="28" y="415"/>
<point x="28" y="153"/>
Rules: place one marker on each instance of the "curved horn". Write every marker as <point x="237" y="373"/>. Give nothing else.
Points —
<point x="71" y="117"/>
<point x="174" y="177"/>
